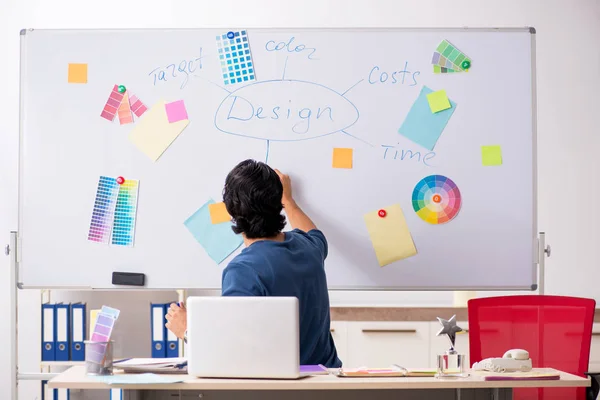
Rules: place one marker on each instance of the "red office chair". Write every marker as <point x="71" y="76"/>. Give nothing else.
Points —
<point x="555" y="330"/>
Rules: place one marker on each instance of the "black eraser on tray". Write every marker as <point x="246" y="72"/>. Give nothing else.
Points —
<point x="128" y="278"/>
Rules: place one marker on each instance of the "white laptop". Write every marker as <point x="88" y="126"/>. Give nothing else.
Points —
<point x="243" y="337"/>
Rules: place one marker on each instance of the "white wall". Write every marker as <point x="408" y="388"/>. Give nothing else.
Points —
<point x="568" y="77"/>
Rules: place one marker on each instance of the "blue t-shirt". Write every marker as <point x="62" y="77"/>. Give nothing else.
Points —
<point x="294" y="267"/>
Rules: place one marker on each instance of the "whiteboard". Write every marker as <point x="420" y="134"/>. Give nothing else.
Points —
<point x="368" y="77"/>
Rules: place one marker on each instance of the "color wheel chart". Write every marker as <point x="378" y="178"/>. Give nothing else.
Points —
<point x="436" y="199"/>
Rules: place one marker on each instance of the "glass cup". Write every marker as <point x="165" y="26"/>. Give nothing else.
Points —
<point x="98" y="358"/>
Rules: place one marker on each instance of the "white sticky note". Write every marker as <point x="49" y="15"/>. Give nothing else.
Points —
<point x="153" y="134"/>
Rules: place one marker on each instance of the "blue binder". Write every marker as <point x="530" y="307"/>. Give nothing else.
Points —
<point x="48" y="332"/>
<point x="61" y="340"/>
<point x="77" y="322"/>
<point x="172" y="341"/>
<point x="62" y="394"/>
<point x="157" y="330"/>
<point x="116" y="394"/>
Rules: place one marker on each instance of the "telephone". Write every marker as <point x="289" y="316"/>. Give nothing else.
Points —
<point x="515" y="360"/>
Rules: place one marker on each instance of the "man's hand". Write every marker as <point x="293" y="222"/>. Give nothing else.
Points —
<point x="177" y="317"/>
<point x="294" y="214"/>
<point x="287" y="198"/>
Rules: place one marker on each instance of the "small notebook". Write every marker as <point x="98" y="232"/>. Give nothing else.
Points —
<point x="520" y="376"/>
<point x="173" y="365"/>
<point x="313" y="370"/>
<point x="385" y="372"/>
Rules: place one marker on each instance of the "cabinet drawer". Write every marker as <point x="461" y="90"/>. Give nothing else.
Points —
<point x="439" y="344"/>
<point x="340" y="338"/>
<point x="380" y="344"/>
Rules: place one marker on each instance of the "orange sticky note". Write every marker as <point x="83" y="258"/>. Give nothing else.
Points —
<point x="342" y="158"/>
<point x="218" y="213"/>
<point x="78" y="73"/>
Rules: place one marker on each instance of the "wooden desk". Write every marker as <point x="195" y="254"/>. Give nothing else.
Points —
<point x="324" y="386"/>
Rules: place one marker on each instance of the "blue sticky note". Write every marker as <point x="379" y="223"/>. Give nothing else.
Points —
<point x="218" y="240"/>
<point x="421" y="125"/>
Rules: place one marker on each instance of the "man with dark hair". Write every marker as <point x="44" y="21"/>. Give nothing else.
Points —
<point x="275" y="263"/>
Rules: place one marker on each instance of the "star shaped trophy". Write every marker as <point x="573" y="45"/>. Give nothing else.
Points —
<point x="450" y="364"/>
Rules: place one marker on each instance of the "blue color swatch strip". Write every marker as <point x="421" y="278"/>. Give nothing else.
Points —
<point x="104" y="209"/>
<point x="235" y="57"/>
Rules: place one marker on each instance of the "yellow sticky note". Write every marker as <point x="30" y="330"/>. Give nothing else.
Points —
<point x="438" y="101"/>
<point x="491" y="155"/>
<point x="342" y="158"/>
<point x="78" y="73"/>
<point x="389" y="234"/>
<point x="218" y="213"/>
<point x="153" y="134"/>
<point x="93" y="318"/>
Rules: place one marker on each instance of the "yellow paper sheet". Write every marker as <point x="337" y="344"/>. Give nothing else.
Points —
<point x="78" y="73"/>
<point x="342" y="158"/>
<point x="491" y="155"/>
<point x="153" y="134"/>
<point x="438" y="101"/>
<point x="218" y="213"/>
<point x="93" y="318"/>
<point x="390" y="236"/>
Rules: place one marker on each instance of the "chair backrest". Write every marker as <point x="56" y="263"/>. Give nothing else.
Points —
<point x="555" y="330"/>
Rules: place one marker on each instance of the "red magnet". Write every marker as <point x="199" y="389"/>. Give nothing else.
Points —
<point x="120" y="180"/>
<point x="382" y="213"/>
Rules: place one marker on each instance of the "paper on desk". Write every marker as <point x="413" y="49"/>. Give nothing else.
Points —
<point x="390" y="236"/>
<point x="137" y="362"/>
<point x="140" y="379"/>
<point x="154" y="134"/>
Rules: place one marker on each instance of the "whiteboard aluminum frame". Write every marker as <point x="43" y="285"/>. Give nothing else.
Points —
<point x="537" y="261"/>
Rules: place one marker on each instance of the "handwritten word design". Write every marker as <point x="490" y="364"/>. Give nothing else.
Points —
<point x="285" y="111"/>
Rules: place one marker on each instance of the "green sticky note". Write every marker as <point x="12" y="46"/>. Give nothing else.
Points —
<point x="438" y="101"/>
<point x="491" y="155"/>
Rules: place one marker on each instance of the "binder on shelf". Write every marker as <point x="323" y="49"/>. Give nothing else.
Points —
<point x="93" y="318"/>
<point x="62" y="394"/>
<point x="47" y="393"/>
<point x="116" y="394"/>
<point x="157" y="327"/>
<point x="77" y="331"/>
<point x="61" y="343"/>
<point x="48" y="332"/>
<point x="172" y="341"/>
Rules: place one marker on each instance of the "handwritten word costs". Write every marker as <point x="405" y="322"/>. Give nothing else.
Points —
<point x="181" y="70"/>
<point x="392" y="153"/>
<point x="378" y="76"/>
<point x="291" y="48"/>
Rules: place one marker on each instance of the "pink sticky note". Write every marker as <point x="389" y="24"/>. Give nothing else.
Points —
<point x="176" y="111"/>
